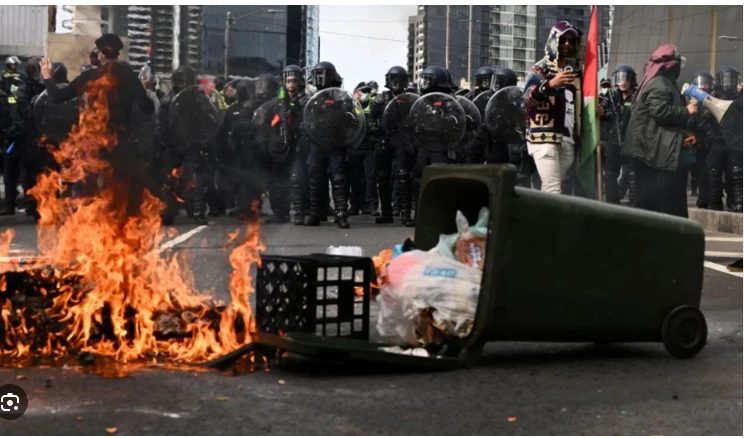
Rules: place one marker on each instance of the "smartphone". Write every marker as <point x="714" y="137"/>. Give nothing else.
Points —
<point x="570" y="66"/>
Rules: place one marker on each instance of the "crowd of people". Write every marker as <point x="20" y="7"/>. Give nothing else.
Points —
<point x="223" y="151"/>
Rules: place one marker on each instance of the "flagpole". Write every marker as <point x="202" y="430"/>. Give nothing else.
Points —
<point x="600" y="198"/>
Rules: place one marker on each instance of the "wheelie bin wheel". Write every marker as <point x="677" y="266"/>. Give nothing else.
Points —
<point x="684" y="332"/>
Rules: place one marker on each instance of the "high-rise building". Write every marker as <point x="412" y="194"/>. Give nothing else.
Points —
<point x="262" y="39"/>
<point x="463" y="38"/>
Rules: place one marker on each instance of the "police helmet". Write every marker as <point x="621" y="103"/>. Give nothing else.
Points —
<point x="396" y="78"/>
<point x="219" y="83"/>
<point x="325" y="76"/>
<point x="623" y="76"/>
<point x="727" y="79"/>
<point x="503" y="77"/>
<point x="59" y="72"/>
<point x="483" y="77"/>
<point x="183" y="77"/>
<point x="434" y="77"/>
<point x="12" y="60"/>
<point x="293" y="72"/>
<point x="703" y="80"/>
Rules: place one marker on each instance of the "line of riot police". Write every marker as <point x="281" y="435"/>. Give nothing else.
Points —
<point x="213" y="151"/>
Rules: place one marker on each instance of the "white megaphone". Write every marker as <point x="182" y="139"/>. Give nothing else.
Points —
<point x="717" y="107"/>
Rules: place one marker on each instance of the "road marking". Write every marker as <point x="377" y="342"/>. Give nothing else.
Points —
<point x="723" y="239"/>
<point x="722" y="254"/>
<point x="721" y="268"/>
<point x="182" y="238"/>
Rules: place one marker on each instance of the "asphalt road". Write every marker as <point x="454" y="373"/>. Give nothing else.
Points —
<point x="514" y="389"/>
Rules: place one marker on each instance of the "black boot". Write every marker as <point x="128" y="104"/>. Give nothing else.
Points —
<point x="340" y="199"/>
<point x="385" y="193"/>
<point x="8" y="210"/>
<point x="735" y="170"/>
<point x="298" y="200"/>
<point x="313" y="218"/>
<point x="715" y="189"/>
<point x="406" y="192"/>
<point x="632" y="188"/>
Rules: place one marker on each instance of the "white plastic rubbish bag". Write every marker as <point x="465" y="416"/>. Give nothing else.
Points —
<point x="424" y="292"/>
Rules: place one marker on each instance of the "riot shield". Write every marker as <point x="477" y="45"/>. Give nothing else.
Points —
<point x="333" y="119"/>
<point x="472" y="121"/>
<point x="437" y="121"/>
<point x="481" y="101"/>
<point x="359" y="137"/>
<point x="268" y="133"/>
<point x="505" y="115"/>
<point x="55" y="121"/>
<point x="395" y="116"/>
<point x="193" y="117"/>
<point x="731" y="124"/>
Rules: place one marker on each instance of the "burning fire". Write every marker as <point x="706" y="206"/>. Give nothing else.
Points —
<point x="109" y="290"/>
<point x="380" y="261"/>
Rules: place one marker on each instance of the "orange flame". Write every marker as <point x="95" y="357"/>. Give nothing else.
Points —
<point x="380" y="261"/>
<point x="111" y="291"/>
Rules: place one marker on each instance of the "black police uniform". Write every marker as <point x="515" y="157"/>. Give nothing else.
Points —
<point x="393" y="153"/>
<point x="322" y="165"/>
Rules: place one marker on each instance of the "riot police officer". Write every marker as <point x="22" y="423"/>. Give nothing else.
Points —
<point x="706" y="132"/>
<point x="362" y="174"/>
<point x="726" y="156"/>
<point x="483" y="80"/>
<point x="393" y="151"/>
<point x="186" y="165"/>
<point x="10" y="74"/>
<point x="323" y="163"/>
<point x="25" y="152"/>
<point x="293" y="98"/>
<point x="614" y="118"/>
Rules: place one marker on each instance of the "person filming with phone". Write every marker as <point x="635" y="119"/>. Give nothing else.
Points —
<point x="553" y="101"/>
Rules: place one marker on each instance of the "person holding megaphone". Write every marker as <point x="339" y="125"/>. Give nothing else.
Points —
<point x="658" y="138"/>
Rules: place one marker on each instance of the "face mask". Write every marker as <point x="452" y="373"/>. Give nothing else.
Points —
<point x="364" y="99"/>
<point x="312" y="88"/>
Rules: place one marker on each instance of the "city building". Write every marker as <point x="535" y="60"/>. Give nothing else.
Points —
<point x="262" y="39"/>
<point x="464" y="38"/>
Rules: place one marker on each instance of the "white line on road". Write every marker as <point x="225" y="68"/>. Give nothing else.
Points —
<point x="182" y="238"/>
<point x="722" y="254"/>
<point x="721" y="268"/>
<point x="723" y="239"/>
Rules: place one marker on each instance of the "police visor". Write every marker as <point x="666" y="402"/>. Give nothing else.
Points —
<point x="703" y="82"/>
<point x="622" y="77"/>
<point x="427" y="81"/>
<point x="729" y="80"/>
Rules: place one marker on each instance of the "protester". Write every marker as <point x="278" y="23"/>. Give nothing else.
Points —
<point x="657" y="135"/>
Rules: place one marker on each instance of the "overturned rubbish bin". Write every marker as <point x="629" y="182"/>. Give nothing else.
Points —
<point x="556" y="269"/>
<point x="567" y="269"/>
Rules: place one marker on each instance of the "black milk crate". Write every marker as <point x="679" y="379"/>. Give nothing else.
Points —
<point x="314" y="294"/>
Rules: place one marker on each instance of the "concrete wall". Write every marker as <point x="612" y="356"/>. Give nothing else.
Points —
<point x="73" y="50"/>
<point x="695" y="30"/>
<point x="22" y="30"/>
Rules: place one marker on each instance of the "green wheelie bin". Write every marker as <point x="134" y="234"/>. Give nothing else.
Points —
<point x="567" y="269"/>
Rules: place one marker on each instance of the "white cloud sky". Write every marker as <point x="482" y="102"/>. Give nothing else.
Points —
<point x="364" y="58"/>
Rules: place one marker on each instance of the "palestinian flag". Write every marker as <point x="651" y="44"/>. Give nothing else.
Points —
<point x="586" y="169"/>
